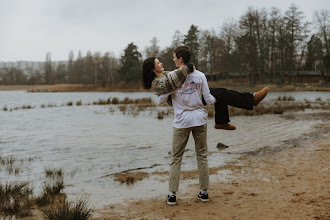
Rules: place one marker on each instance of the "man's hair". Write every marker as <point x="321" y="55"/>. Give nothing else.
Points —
<point x="184" y="52"/>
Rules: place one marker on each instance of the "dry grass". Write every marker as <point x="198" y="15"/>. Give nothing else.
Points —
<point x="272" y="87"/>
<point x="18" y="108"/>
<point x="285" y="98"/>
<point x="52" y="188"/>
<point x="15" y="199"/>
<point x="130" y="178"/>
<point x="103" y="102"/>
<point x="136" y="87"/>
<point x="78" y="103"/>
<point x="10" y="165"/>
<point x="79" y="210"/>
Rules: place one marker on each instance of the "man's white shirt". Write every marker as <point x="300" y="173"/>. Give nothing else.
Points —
<point x="189" y="110"/>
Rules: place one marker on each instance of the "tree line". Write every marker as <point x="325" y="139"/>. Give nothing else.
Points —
<point x="264" y="43"/>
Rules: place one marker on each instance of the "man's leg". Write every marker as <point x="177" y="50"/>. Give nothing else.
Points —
<point x="200" y="135"/>
<point x="180" y="139"/>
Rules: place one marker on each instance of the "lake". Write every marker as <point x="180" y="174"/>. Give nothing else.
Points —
<point x="91" y="142"/>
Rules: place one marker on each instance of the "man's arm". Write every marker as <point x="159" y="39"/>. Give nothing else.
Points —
<point x="209" y="99"/>
<point x="164" y="97"/>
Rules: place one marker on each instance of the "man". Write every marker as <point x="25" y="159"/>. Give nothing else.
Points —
<point x="190" y="115"/>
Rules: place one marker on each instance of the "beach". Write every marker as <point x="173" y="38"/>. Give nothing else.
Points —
<point x="275" y="166"/>
<point x="288" y="182"/>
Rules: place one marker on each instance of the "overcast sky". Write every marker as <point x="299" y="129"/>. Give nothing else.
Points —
<point x="31" y="28"/>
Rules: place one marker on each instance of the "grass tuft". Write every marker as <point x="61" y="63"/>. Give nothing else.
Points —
<point x="15" y="199"/>
<point x="78" y="103"/>
<point x="79" y="210"/>
<point x="130" y="178"/>
<point x="52" y="187"/>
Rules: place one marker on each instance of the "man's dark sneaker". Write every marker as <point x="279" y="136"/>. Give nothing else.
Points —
<point x="171" y="199"/>
<point x="204" y="197"/>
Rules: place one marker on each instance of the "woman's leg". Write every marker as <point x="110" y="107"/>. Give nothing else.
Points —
<point x="236" y="99"/>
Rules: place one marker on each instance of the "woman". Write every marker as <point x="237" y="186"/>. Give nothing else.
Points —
<point x="154" y="77"/>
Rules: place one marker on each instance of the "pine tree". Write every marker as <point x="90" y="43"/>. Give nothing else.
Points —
<point x="131" y="64"/>
<point x="191" y="40"/>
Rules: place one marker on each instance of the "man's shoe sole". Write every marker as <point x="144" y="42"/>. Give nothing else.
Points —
<point x="204" y="200"/>
<point x="171" y="203"/>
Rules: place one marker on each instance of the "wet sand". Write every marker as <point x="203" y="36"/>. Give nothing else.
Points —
<point x="288" y="182"/>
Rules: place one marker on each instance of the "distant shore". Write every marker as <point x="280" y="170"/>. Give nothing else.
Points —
<point x="136" y="87"/>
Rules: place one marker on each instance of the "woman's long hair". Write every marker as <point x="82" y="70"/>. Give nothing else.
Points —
<point x="148" y="74"/>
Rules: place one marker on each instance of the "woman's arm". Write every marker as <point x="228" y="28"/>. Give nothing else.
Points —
<point x="171" y="81"/>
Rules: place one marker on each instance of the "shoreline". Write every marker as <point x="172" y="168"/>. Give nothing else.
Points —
<point x="135" y="87"/>
<point x="251" y="176"/>
<point x="289" y="182"/>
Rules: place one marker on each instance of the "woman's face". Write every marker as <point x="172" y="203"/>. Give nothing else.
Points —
<point x="158" y="68"/>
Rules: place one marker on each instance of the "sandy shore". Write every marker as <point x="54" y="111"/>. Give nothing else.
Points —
<point x="290" y="182"/>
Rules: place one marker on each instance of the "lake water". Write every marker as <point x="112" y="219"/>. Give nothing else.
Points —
<point x="90" y="142"/>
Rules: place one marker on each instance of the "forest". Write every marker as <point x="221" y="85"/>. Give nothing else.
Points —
<point x="263" y="43"/>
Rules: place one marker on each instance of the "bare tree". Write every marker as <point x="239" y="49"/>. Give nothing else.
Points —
<point x="153" y="50"/>
<point x="297" y="33"/>
<point x="48" y="69"/>
<point x="322" y="21"/>
<point x="177" y="39"/>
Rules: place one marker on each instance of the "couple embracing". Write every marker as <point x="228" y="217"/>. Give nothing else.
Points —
<point x="187" y="90"/>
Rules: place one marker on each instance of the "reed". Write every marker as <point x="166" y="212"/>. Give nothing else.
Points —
<point x="52" y="187"/>
<point x="160" y="115"/>
<point x="69" y="103"/>
<point x="103" y="102"/>
<point x="78" y="103"/>
<point x="285" y="98"/>
<point x="53" y="173"/>
<point x="115" y="101"/>
<point x="15" y="199"/>
<point x="80" y="210"/>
